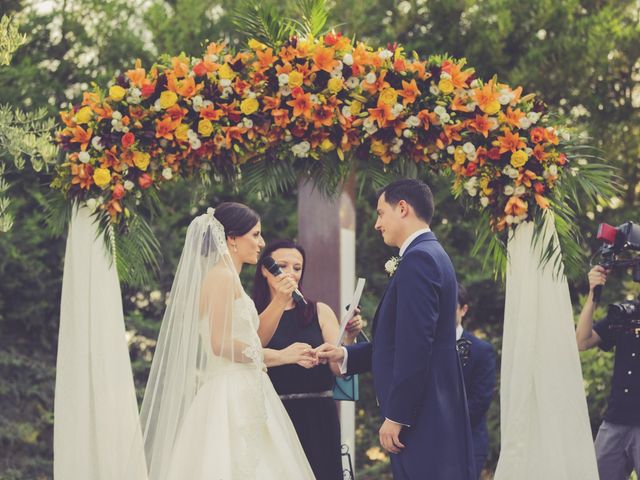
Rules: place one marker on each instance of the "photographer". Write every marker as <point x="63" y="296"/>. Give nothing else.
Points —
<point x="618" y="441"/>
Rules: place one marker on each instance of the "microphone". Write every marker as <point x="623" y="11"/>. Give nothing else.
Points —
<point x="274" y="269"/>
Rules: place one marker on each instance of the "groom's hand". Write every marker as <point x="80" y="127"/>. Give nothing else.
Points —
<point x="329" y="353"/>
<point x="390" y="436"/>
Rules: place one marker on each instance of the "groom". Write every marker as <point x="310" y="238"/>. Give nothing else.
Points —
<point x="417" y="376"/>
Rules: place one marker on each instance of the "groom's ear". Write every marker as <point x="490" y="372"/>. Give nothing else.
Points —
<point x="404" y="208"/>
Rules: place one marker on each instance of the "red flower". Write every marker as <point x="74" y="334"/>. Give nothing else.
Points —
<point x="200" y="69"/>
<point x="145" y="181"/>
<point x="538" y="187"/>
<point x="147" y="90"/>
<point x="494" y="154"/>
<point x="118" y="192"/>
<point x="128" y="139"/>
<point x="471" y="169"/>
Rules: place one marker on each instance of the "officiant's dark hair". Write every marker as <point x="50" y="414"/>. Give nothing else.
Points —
<point x="236" y="218"/>
<point x="261" y="294"/>
<point x="415" y="192"/>
<point x="463" y="296"/>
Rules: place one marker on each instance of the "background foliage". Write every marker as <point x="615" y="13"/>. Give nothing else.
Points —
<point x="580" y="56"/>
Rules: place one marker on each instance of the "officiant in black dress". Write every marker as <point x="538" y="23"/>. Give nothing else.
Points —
<point x="296" y="328"/>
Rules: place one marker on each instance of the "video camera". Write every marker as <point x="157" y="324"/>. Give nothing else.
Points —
<point x="625" y="316"/>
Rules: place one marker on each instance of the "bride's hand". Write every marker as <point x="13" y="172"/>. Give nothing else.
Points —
<point x="298" y="353"/>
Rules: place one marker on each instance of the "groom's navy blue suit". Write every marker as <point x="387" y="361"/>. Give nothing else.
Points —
<point x="416" y="372"/>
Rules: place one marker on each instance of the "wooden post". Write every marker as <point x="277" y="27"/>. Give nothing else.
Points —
<point x="327" y="231"/>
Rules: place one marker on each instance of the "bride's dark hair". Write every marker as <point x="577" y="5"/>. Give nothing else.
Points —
<point x="236" y="218"/>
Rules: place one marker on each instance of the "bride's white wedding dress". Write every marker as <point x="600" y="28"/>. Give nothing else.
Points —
<point x="210" y="411"/>
<point x="237" y="427"/>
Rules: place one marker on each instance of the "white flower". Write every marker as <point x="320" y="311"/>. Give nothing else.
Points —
<point x="520" y="189"/>
<point x="385" y="54"/>
<point x="566" y="136"/>
<point x="445" y="76"/>
<point x="287" y="136"/>
<point x="347" y="59"/>
<point x="167" y="173"/>
<point x="155" y="296"/>
<point x="472" y="156"/>
<point x="509" y="219"/>
<point x="352" y="82"/>
<point x="191" y="135"/>
<point x="412" y="121"/>
<point x="251" y="94"/>
<point x="391" y="265"/>
<point x="92" y="204"/>
<point x="125" y="129"/>
<point x="128" y="185"/>
<point x="96" y="143"/>
<point x="84" y="157"/>
<point x="553" y="170"/>
<point x="197" y="103"/>
<point x="285" y="91"/>
<point x="370" y="78"/>
<point x="407" y="133"/>
<point x="195" y="143"/>
<point x="469" y="148"/>
<point x="247" y="123"/>
<point x="336" y="73"/>
<point x="207" y="104"/>
<point x="484" y="201"/>
<point x="509" y="190"/>
<point x="524" y="123"/>
<point x="314" y="98"/>
<point x="213" y="58"/>
<point x="451" y="149"/>
<point x="440" y="110"/>
<point x="445" y="118"/>
<point x="493" y="123"/>
<point x="283" y="79"/>
<point x="397" y="145"/>
<point x="301" y="149"/>
<point x="225" y="82"/>
<point x="116" y="115"/>
<point x="156" y="106"/>
<point x="370" y="125"/>
<point x="434" y="90"/>
<point x="397" y="109"/>
<point x="505" y="97"/>
<point x="475" y="83"/>
<point x="346" y="111"/>
<point x="533" y="116"/>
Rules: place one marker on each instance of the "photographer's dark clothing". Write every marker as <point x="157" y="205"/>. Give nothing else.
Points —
<point x="624" y="402"/>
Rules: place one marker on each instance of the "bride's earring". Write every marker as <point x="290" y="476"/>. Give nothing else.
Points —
<point x="235" y="249"/>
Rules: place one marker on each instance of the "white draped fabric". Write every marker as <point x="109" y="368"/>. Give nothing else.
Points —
<point x="96" y="414"/>
<point x="544" y="418"/>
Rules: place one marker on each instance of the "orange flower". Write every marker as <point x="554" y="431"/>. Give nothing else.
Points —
<point x="512" y="117"/>
<point x="280" y="117"/>
<point x="137" y="77"/>
<point x="379" y="85"/>
<point x="82" y="174"/>
<point x="188" y="88"/>
<point x="487" y="98"/>
<point x="459" y="104"/>
<point x="427" y="118"/>
<point x="301" y="103"/>
<point x="323" y="116"/>
<point x="537" y="135"/>
<point x="266" y="58"/>
<point x="82" y="136"/>
<point x="458" y="77"/>
<point x="211" y="113"/>
<point x="180" y="66"/>
<point x="542" y="201"/>
<point x="420" y="69"/>
<point x="409" y="92"/>
<point x="539" y="153"/>
<point x="382" y="114"/>
<point x="481" y="124"/>
<point x="510" y="142"/>
<point x="165" y="128"/>
<point x="145" y="181"/>
<point x="551" y="136"/>
<point x="516" y="207"/>
<point x="324" y="59"/>
<point x="233" y="133"/>
<point x="270" y="103"/>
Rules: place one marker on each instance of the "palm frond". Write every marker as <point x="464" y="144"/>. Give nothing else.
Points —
<point x="268" y="176"/>
<point x="312" y="17"/>
<point x="490" y="245"/>
<point x="260" y="20"/>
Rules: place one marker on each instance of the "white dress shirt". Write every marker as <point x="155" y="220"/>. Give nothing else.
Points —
<point x="459" y="331"/>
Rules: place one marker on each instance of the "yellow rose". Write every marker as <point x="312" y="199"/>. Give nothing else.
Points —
<point x="378" y="148"/>
<point x="168" y="99"/>
<point x="493" y="107"/>
<point x="519" y="158"/>
<point x="226" y="72"/>
<point x="445" y="85"/>
<point x="249" y="106"/>
<point x="295" y="79"/>
<point x="205" y="128"/>
<point x="459" y="156"/>
<point x="256" y="45"/>
<point x="141" y="160"/>
<point x="84" y="115"/>
<point x="327" y="145"/>
<point x="484" y="185"/>
<point x="355" y="107"/>
<point x="335" y="85"/>
<point x="117" y="93"/>
<point x="102" y="177"/>
<point x="388" y="96"/>
<point x="181" y="132"/>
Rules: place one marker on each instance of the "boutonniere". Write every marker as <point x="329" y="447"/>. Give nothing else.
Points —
<point x="391" y="265"/>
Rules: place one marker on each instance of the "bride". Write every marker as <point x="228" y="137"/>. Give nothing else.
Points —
<point x="210" y="410"/>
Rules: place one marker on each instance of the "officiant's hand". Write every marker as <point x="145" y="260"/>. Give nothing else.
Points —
<point x="298" y="353"/>
<point x="285" y="286"/>
<point x="390" y="436"/>
<point x="328" y="352"/>
<point x="354" y="327"/>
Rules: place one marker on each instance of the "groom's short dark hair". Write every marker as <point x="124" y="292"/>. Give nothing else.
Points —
<point x="415" y="192"/>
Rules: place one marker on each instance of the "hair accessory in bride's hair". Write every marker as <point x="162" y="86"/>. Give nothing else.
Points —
<point x="211" y="211"/>
<point x="214" y="237"/>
